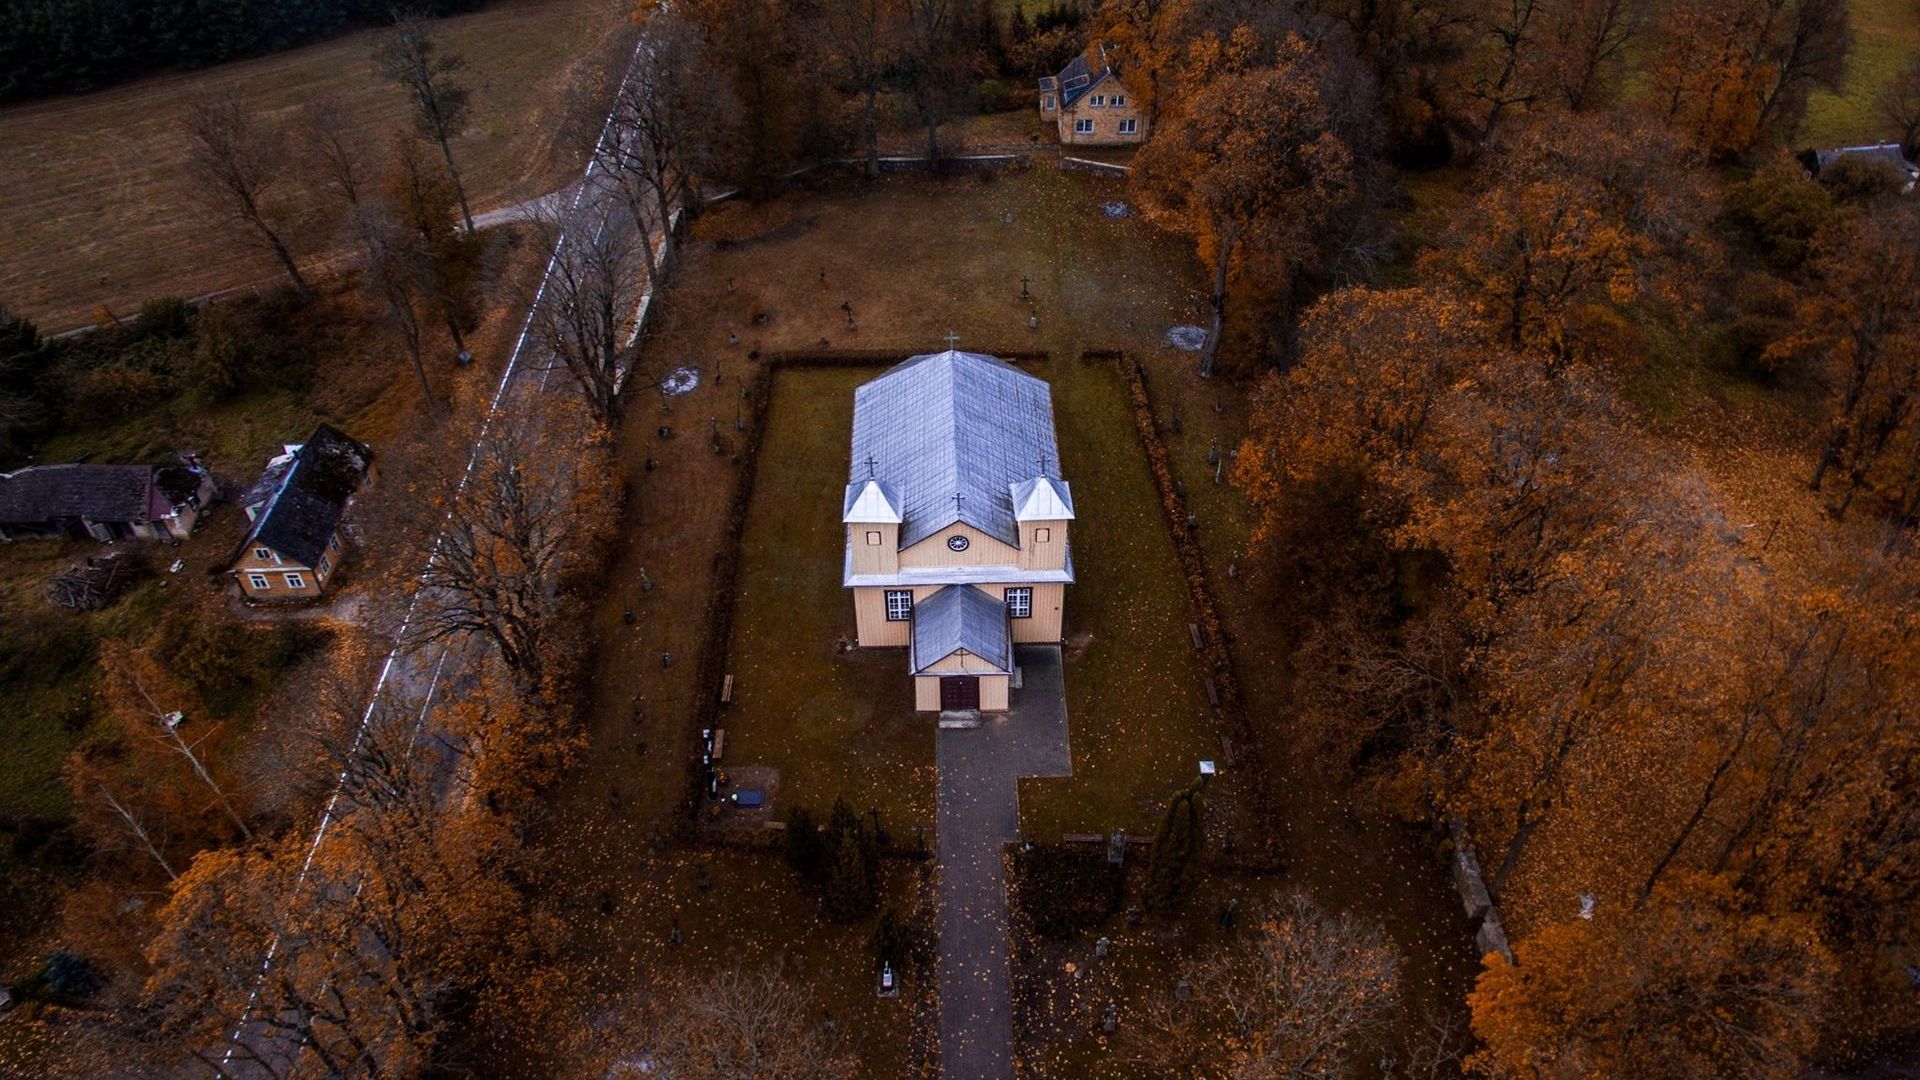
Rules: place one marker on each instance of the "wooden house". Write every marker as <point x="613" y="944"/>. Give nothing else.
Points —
<point x="956" y="523"/>
<point x="298" y="507"/>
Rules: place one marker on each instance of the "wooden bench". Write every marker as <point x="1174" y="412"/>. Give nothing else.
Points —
<point x="719" y="742"/>
<point x="726" y="690"/>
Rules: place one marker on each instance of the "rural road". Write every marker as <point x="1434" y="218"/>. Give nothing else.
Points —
<point x="979" y="770"/>
<point x="258" y="1049"/>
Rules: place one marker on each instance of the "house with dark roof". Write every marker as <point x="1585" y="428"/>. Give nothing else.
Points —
<point x="956" y="523"/>
<point x="104" y="502"/>
<point x="298" y="508"/>
<point x="1089" y="105"/>
<point x="1888" y="156"/>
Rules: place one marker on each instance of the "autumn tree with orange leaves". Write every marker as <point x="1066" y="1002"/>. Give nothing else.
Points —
<point x="1696" y="983"/>
<point x="1246" y="165"/>
<point x="1736" y="74"/>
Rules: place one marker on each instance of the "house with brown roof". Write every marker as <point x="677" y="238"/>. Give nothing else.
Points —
<point x="104" y="502"/>
<point x="298" y="508"/>
<point x="1090" y="106"/>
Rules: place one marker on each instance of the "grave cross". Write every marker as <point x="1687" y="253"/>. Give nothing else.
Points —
<point x="1024" y="280"/>
<point x="952" y="339"/>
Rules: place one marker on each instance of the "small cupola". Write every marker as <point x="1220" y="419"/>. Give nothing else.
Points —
<point x="1042" y="499"/>
<point x="870" y="502"/>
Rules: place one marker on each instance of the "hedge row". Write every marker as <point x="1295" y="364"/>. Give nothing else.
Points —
<point x="1216" y="656"/>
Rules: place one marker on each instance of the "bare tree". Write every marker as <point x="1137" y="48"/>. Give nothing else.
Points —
<point x="165" y="729"/>
<point x="137" y="829"/>
<point x="863" y="39"/>
<point x="235" y="166"/>
<point x="600" y="271"/>
<point x="737" y="1025"/>
<point x="1900" y="107"/>
<point x="933" y="63"/>
<point x="512" y="524"/>
<point x="670" y="120"/>
<point x="328" y="144"/>
<point x="412" y="56"/>
<point x="393" y="276"/>
<point x="1300" y="1000"/>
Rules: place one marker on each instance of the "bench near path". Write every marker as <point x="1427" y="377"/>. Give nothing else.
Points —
<point x="978" y="815"/>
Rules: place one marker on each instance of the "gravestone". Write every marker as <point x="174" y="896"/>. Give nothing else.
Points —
<point x="1116" y="849"/>
<point x="1182" y="990"/>
<point x="1110" y="1019"/>
<point x="1101" y="946"/>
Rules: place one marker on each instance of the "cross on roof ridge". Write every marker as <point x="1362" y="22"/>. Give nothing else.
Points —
<point x="952" y="340"/>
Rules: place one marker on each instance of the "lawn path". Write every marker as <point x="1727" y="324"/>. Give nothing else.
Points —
<point x="979" y="814"/>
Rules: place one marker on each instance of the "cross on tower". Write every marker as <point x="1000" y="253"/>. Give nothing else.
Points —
<point x="956" y="501"/>
<point x="952" y="339"/>
<point x="871" y="463"/>
<point x="1042" y="462"/>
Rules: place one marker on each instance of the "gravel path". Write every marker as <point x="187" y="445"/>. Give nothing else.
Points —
<point x="979" y="813"/>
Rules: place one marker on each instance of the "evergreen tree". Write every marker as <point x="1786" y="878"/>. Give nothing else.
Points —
<point x="1169" y="869"/>
<point x="852" y="861"/>
<point x="804" y="849"/>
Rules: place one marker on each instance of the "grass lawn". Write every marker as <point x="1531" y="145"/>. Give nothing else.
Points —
<point x="1138" y="717"/>
<point x="835" y="724"/>
<point x="1886" y="34"/>
<point x="93" y="201"/>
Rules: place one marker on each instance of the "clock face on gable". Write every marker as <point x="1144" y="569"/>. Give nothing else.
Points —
<point x="956" y="542"/>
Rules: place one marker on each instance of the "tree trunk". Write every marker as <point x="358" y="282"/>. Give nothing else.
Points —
<point x="1219" y="309"/>
<point x="285" y="256"/>
<point x="459" y="188"/>
<point x="873" y="132"/>
<point x="1512" y="858"/>
<point x="933" y="143"/>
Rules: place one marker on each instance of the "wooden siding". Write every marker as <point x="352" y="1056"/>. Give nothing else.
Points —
<point x="275" y="568"/>
<point x="963" y="663"/>
<point x="872" y="630"/>
<point x="982" y="550"/>
<point x="881" y="558"/>
<point x="993" y="693"/>
<point x="1035" y="555"/>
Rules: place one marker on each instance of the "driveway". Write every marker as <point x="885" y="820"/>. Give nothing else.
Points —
<point x="979" y="813"/>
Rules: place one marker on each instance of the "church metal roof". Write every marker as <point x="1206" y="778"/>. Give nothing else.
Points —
<point x="949" y="436"/>
<point x="961" y="617"/>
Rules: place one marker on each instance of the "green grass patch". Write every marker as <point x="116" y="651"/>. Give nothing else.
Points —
<point x="1885" y="35"/>
<point x="1138" y="718"/>
<point x="835" y="724"/>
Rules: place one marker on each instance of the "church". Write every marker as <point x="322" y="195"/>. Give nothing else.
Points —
<point x="956" y="518"/>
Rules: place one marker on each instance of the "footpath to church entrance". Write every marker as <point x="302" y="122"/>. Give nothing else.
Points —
<point x="979" y="814"/>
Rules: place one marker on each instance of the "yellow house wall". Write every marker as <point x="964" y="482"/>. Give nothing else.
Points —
<point x="275" y="568"/>
<point x="993" y="693"/>
<point x="872" y="630"/>
<point x="982" y="550"/>
<point x="880" y="558"/>
<point x="1035" y="555"/>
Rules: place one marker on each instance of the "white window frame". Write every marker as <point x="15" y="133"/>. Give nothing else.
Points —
<point x="1046" y="102"/>
<point x="1129" y="127"/>
<point x="873" y="537"/>
<point x="1097" y="101"/>
<point x="899" y="604"/>
<point x="265" y="554"/>
<point x="1083" y="126"/>
<point x="259" y="581"/>
<point x="323" y="567"/>
<point x="1119" y="101"/>
<point x="1020" y="602"/>
<point x="295" y="581"/>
